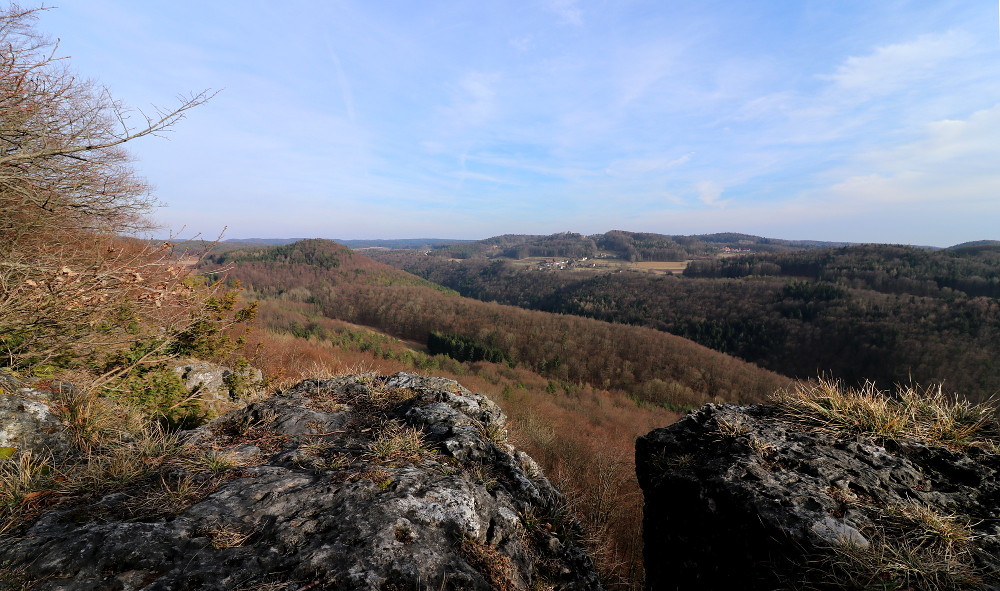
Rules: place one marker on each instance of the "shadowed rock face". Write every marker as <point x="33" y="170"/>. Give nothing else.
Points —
<point x="740" y="498"/>
<point x="322" y="487"/>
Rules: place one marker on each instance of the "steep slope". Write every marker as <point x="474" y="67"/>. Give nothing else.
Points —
<point x="650" y="365"/>
<point x="867" y="312"/>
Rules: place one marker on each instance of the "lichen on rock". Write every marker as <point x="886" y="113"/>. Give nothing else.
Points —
<point x="358" y="482"/>
<point x="27" y="421"/>
<point x="217" y="387"/>
<point x="750" y="498"/>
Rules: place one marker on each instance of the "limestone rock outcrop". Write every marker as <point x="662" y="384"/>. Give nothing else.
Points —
<point x="742" y="498"/>
<point x="359" y="482"/>
<point x="27" y="421"/>
<point x="217" y="387"/>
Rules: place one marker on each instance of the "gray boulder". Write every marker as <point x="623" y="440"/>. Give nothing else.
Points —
<point x="360" y="482"/>
<point x="217" y="387"/>
<point x="27" y="421"/>
<point x="741" y="498"/>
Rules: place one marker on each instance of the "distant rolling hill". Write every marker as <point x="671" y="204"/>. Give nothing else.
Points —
<point x="414" y="243"/>
<point x="862" y="312"/>
<point x="653" y="366"/>
<point x="631" y="246"/>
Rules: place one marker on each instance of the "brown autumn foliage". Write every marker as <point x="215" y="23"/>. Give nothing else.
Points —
<point x="70" y="285"/>
<point x="890" y="314"/>
<point x="649" y="365"/>
<point x="582" y="436"/>
<point x="578" y="417"/>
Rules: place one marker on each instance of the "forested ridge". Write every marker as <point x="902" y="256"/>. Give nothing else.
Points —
<point x="648" y="364"/>
<point x="299" y="270"/>
<point x="630" y="246"/>
<point x="891" y="314"/>
<point x="578" y="391"/>
<point x="962" y="272"/>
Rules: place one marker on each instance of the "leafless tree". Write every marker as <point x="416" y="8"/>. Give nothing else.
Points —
<point x="69" y="281"/>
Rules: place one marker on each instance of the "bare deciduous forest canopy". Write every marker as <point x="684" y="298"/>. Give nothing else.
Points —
<point x="653" y="366"/>
<point x="836" y="310"/>
<point x="891" y="314"/>
<point x="583" y="346"/>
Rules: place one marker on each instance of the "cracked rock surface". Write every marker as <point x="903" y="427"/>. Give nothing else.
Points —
<point x="741" y="498"/>
<point x="359" y="482"/>
<point x="27" y="422"/>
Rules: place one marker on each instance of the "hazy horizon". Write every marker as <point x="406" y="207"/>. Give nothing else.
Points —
<point x="446" y="238"/>
<point x="856" y="122"/>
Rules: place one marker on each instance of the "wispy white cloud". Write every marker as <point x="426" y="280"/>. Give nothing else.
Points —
<point x="758" y="107"/>
<point x="346" y="95"/>
<point x="568" y="11"/>
<point x="709" y="193"/>
<point x="636" y="167"/>
<point x="943" y="185"/>
<point x="569" y="172"/>
<point x="643" y="69"/>
<point x="953" y="162"/>
<point x="473" y="101"/>
<point x="870" y="94"/>
<point x="673" y="199"/>
<point x="520" y="43"/>
<point x="892" y="67"/>
<point x="951" y="145"/>
<point x="478" y="176"/>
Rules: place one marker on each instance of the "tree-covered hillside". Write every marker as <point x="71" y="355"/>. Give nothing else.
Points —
<point x="578" y="391"/>
<point x="891" y="314"/>
<point x="649" y="365"/>
<point x="629" y="246"/>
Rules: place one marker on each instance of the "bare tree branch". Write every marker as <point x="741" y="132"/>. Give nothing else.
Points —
<point x="69" y="282"/>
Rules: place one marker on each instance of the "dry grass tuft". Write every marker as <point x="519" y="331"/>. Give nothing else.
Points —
<point x="484" y="475"/>
<point x="735" y="427"/>
<point x="915" y="547"/>
<point x="92" y="420"/>
<point x="116" y="456"/>
<point x="21" y="477"/>
<point x="495" y="566"/>
<point x="895" y="566"/>
<point x="210" y="461"/>
<point x="931" y="529"/>
<point x="378" y="476"/>
<point x="122" y="462"/>
<point x="380" y="397"/>
<point x="16" y="579"/>
<point x="926" y="414"/>
<point x="763" y="449"/>
<point x="496" y="432"/>
<point x="226" y="536"/>
<point x="395" y="442"/>
<point x="174" y="494"/>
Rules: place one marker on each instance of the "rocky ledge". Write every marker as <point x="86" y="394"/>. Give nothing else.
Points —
<point x="360" y="482"/>
<point x="743" y="498"/>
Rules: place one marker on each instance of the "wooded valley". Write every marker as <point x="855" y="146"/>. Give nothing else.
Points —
<point x="578" y="390"/>
<point x="891" y="314"/>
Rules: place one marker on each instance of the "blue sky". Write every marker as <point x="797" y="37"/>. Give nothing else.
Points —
<point x="807" y="119"/>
